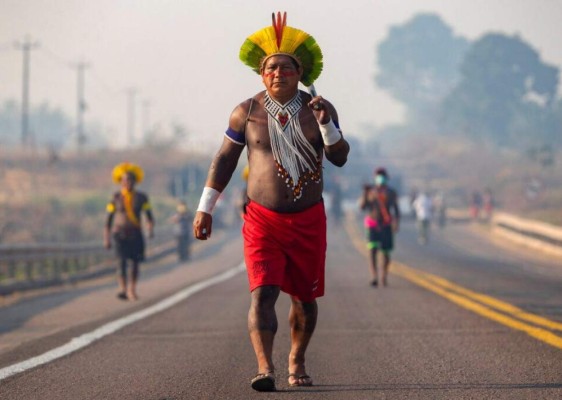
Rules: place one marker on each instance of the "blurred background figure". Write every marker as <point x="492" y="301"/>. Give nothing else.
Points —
<point x="336" y="210"/>
<point x="182" y="230"/>
<point x="475" y="205"/>
<point x="123" y="223"/>
<point x="423" y="209"/>
<point x="487" y="204"/>
<point x="440" y="209"/>
<point x="243" y="198"/>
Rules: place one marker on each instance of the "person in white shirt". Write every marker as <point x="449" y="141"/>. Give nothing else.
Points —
<point x="423" y="209"/>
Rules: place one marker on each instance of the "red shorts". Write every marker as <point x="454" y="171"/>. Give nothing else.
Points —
<point x="286" y="250"/>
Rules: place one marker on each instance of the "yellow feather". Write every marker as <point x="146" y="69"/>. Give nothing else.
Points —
<point x="292" y="38"/>
<point x="266" y="39"/>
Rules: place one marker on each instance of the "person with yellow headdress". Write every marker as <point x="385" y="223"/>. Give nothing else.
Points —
<point x="124" y="225"/>
<point x="288" y="132"/>
<point x="243" y="199"/>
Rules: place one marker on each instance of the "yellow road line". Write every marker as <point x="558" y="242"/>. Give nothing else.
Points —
<point x="469" y="299"/>
<point x="497" y="304"/>
<point x="538" y="333"/>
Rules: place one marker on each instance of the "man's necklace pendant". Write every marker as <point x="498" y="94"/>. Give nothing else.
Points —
<point x="283" y="118"/>
<point x="283" y="113"/>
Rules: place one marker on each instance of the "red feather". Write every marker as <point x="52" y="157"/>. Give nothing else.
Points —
<point x="278" y="25"/>
<point x="278" y="31"/>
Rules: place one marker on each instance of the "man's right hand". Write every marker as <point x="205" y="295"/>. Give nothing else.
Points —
<point x="202" y="225"/>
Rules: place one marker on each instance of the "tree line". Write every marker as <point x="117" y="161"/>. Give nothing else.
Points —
<point x="495" y="89"/>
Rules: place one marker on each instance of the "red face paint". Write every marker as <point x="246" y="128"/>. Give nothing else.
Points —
<point x="287" y="73"/>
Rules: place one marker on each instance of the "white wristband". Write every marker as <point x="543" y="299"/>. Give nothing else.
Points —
<point x="330" y="134"/>
<point x="208" y="200"/>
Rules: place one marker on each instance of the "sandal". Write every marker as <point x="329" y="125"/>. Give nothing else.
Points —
<point x="264" y="382"/>
<point x="299" y="380"/>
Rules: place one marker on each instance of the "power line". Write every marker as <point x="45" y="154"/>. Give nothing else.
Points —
<point x="131" y="94"/>
<point x="100" y="84"/>
<point x="6" y="46"/>
<point x="61" y="61"/>
<point x="146" y="120"/>
<point x="104" y="86"/>
<point x="81" y="104"/>
<point x="26" y="46"/>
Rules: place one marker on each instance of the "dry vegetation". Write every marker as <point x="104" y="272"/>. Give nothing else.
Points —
<point x="47" y="199"/>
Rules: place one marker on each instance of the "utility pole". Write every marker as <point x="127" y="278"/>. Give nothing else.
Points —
<point x="81" y="105"/>
<point x="131" y="93"/>
<point x="25" y="47"/>
<point x="146" y="120"/>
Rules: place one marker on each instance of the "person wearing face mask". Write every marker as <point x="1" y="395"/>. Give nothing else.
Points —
<point x="382" y="221"/>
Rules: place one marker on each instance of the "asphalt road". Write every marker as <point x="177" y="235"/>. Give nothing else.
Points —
<point x="462" y="318"/>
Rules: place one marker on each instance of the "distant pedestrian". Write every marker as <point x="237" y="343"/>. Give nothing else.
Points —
<point x="440" y="209"/>
<point x="124" y="225"/>
<point x="423" y="209"/>
<point x="381" y="222"/>
<point x="182" y="230"/>
<point x="475" y="205"/>
<point x="336" y="201"/>
<point x="243" y="198"/>
<point x="487" y="203"/>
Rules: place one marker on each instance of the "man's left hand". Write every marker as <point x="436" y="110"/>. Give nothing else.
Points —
<point x="318" y="107"/>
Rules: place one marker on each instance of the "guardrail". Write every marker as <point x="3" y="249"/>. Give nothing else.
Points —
<point x="544" y="237"/>
<point x="31" y="266"/>
<point x="541" y="236"/>
<point x="535" y="234"/>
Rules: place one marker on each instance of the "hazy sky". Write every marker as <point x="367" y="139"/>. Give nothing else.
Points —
<point x="182" y="55"/>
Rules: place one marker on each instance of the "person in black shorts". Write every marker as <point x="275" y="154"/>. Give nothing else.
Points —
<point x="381" y="222"/>
<point x="123" y="224"/>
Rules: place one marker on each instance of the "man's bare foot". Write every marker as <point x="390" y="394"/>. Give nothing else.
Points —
<point x="132" y="296"/>
<point x="299" y="380"/>
<point x="297" y="376"/>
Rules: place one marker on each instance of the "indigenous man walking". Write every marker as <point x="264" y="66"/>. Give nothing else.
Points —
<point x="123" y="222"/>
<point x="287" y="132"/>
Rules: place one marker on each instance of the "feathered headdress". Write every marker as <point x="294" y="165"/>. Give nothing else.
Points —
<point x="123" y="168"/>
<point x="282" y="39"/>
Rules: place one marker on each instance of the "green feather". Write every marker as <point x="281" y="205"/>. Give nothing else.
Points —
<point x="251" y="55"/>
<point x="311" y="58"/>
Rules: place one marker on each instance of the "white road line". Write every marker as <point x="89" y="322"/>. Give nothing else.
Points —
<point x="86" y="339"/>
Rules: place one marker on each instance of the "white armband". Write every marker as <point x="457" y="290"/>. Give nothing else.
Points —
<point x="330" y="134"/>
<point x="208" y="200"/>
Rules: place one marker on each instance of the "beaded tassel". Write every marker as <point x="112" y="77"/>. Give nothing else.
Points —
<point x="296" y="160"/>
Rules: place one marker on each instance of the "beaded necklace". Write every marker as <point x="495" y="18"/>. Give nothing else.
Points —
<point x="296" y="160"/>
